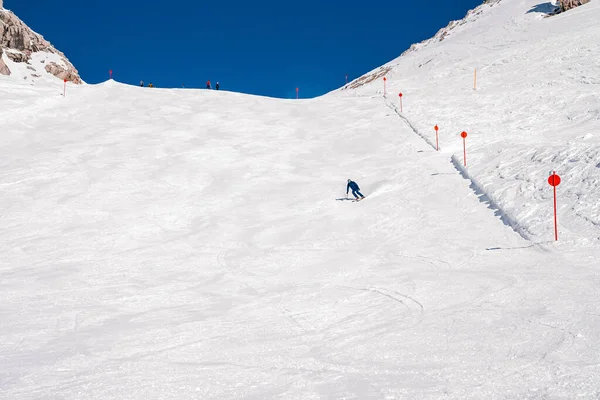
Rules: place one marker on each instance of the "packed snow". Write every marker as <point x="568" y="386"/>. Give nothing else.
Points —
<point x="536" y="109"/>
<point x="195" y="244"/>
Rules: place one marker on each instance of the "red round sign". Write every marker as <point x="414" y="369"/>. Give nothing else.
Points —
<point x="436" y="128"/>
<point x="400" y="95"/>
<point x="554" y="180"/>
<point x="65" y="81"/>
<point x="463" y="135"/>
<point x="384" y="78"/>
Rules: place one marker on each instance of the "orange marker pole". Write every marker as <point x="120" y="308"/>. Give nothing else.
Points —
<point x="464" y="136"/>
<point x="554" y="181"/>
<point x="400" y="101"/>
<point x="555" y="218"/>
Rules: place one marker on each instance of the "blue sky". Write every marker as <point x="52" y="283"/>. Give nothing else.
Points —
<point x="263" y="47"/>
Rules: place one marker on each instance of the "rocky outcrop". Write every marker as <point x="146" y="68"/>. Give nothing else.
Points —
<point x="62" y="73"/>
<point x="19" y="42"/>
<point x="18" y="57"/>
<point x="363" y="80"/>
<point x="566" y="5"/>
<point x="3" y="67"/>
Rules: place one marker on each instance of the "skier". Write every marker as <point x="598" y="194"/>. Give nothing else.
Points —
<point x="150" y="84"/>
<point x="208" y="84"/>
<point x="141" y="83"/>
<point x="355" y="189"/>
<point x="217" y="86"/>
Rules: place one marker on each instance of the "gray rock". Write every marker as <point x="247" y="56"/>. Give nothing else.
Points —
<point x="566" y="5"/>
<point x="16" y="35"/>
<point x="18" y="57"/>
<point x="3" y="67"/>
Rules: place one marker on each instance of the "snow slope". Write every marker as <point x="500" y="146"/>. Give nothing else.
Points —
<point x="536" y="109"/>
<point x="177" y="244"/>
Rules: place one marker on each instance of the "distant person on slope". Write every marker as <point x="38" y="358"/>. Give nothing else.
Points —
<point x="208" y="84"/>
<point x="150" y="84"/>
<point x="141" y="83"/>
<point x="355" y="189"/>
<point x="217" y="86"/>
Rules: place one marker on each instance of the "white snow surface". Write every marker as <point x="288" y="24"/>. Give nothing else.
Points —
<point x="32" y="72"/>
<point x="193" y="244"/>
<point x="536" y="110"/>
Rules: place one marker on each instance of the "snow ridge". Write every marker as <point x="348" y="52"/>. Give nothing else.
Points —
<point x="534" y="108"/>
<point x="472" y="15"/>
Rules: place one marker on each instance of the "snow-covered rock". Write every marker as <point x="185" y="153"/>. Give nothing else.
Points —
<point x="3" y="67"/>
<point x="18" y="43"/>
<point x="569" y="4"/>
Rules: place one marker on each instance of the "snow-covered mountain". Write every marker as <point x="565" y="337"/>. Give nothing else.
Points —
<point x="195" y="244"/>
<point x="536" y="107"/>
<point x="26" y="55"/>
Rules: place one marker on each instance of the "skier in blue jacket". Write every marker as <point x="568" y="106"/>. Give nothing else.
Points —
<point x="355" y="189"/>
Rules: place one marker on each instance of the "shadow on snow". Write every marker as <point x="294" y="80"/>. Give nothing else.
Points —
<point x="544" y="8"/>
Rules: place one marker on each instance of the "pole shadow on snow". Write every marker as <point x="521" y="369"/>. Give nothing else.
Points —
<point x="519" y="247"/>
<point x="344" y="198"/>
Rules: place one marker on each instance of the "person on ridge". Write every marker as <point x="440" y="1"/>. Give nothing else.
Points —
<point x="208" y="84"/>
<point x="217" y="86"/>
<point x="355" y="189"/>
<point x="150" y="84"/>
<point x="141" y="83"/>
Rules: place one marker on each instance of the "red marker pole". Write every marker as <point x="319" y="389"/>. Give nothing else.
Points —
<point x="400" y="101"/>
<point x="464" y="136"/>
<point x="384" y="88"/>
<point x="110" y="73"/>
<point x="437" y="145"/>
<point x="296" y="93"/>
<point x="65" y="89"/>
<point x="554" y="181"/>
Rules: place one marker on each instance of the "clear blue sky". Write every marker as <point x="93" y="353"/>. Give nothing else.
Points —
<point x="265" y="47"/>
